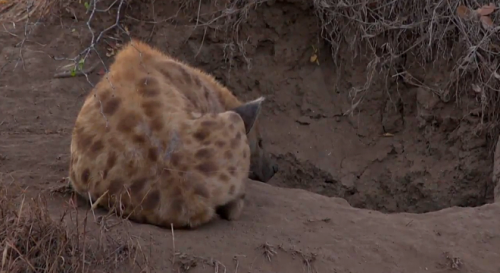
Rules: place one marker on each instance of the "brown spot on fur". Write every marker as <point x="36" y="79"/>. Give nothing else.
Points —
<point x="166" y="172"/>
<point x="128" y="122"/>
<point x="234" y="143"/>
<point x="182" y="168"/>
<point x="104" y="96"/>
<point x="163" y="68"/>
<point x="167" y="67"/>
<point x="206" y="93"/>
<point x="131" y="168"/>
<point x="231" y="190"/>
<point x="153" y="154"/>
<point x="231" y="127"/>
<point x="232" y="170"/>
<point x="177" y="205"/>
<point x="148" y="87"/>
<point x="110" y="163"/>
<point x="201" y="134"/>
<point x="220" y="143"/>
<point x="151" y="108"/>
<point x="175" y="159"/>
<point x="197" y="81"/>
<point x="223" y="177"/>
<point x="114" y="186"/>
<point x="137" y="185"/>
<point x="111" y="106"/>
<point x="238" y="136"/>
<point x="117" y="145"/>
<point x="228" y="155"/>
<point x="206" y="142"/>
<point x="245" y="154"/>
<point x="208" y="123"/>
<point x="152" y="200"/>
<point x="96" y="146"/>
<point x="85" y="176"/>
<point x="156" y="124"/>
<point x="185" y="75"/>
<point x="176" y="192"/>
<point x="201" y="190"/>
<point x="83" y="140"/>
<point x="139" y="139"/>
<point x="207" y="168"/>
<point x="204" y="153"/>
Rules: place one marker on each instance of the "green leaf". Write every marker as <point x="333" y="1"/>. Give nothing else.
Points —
<point x="80" y="64"/>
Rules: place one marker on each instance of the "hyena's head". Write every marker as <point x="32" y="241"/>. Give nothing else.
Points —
<point x="262" y="167"/>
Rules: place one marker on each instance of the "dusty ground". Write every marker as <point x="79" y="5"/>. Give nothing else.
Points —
<point x="431" y="159"/>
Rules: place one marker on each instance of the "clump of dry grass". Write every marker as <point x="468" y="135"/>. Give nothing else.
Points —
<point x="401" y="34"/>
<point x="14" y="11"/>
<point x="31" y="241"/>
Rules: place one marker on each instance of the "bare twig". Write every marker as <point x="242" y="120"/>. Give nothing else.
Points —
<point x="79" y="72"/>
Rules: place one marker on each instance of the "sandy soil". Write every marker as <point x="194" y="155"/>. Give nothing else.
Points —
<point x="403" y="150"/>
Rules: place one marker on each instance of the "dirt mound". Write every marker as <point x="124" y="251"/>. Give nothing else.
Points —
<point x="292" y="230"/>
<point x="390" y="106"/>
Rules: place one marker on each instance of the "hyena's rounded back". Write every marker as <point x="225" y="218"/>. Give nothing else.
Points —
<point x="154" y="141"/>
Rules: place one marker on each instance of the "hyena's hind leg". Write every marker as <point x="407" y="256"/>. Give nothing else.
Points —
<point x="232" y="210"/>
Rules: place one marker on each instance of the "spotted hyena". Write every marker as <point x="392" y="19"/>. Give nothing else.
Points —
<point x="165" y="143"/>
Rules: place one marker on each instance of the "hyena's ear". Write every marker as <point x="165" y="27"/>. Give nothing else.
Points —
<point x="249" y="112"/>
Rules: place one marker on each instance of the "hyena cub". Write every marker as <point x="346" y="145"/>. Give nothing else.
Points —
<point x="165" y="143"/>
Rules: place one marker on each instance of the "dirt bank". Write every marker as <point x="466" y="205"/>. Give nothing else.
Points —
<point x="401" y="148"/>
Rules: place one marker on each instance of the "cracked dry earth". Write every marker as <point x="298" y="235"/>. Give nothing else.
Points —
<point x="325" y="211"/>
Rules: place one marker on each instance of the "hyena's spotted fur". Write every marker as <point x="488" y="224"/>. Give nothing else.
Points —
<point x="165" y="143"/>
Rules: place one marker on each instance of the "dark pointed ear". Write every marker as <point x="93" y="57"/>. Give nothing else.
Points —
<point x="249" y="112"/>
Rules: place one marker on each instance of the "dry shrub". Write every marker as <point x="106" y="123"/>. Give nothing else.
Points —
<point x="396" y="36"/>
<point x="428" y="33"/>
<point x="31" y="241"/>
<point x="21" y="10"/>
